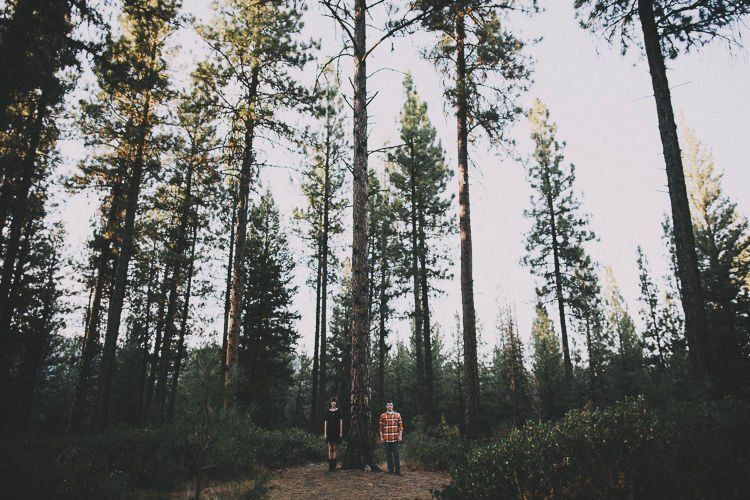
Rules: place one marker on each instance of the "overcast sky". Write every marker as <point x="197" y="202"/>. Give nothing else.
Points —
<point x="603" y="107"/>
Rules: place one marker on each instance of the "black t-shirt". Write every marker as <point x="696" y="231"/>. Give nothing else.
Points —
<point x="333" y="417"/>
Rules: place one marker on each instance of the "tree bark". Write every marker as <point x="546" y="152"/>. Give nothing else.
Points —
<point x="238" y="278"/>
<point x="471" y="378"/>
<point x="360" y="451"/>
<point x="693" y="302"/>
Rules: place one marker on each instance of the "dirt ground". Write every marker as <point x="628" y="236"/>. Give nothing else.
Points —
<point x="314" y="481"/>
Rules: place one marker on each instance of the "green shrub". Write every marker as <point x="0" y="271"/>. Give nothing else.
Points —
<point x="119" y="462"/>
<point x="438" y="450"/>
<point x="629" y="450"/>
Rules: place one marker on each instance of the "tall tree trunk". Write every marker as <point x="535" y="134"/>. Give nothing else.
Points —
<point x="383" y="309"/>
<point x="117" y="299"/>
<point x="316" y="397"/>
<point x="429" y="383"/>
<point x="183" y="325"/>
<point x="559" y="288"/>
<point x="360" y="451"/>
<point x="172" y="306"/>
<point x="471" y="379"/>
<point x="19" y="209"/>
<point x="687" y="262"/>
<point x="238" y="278"/>
<point x="227" y="293"/>
<point x="417" y="314"/>
<point x="324" y="275"/>
<point x="91" y="333"/>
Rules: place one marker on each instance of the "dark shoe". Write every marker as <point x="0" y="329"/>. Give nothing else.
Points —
<point x="398" y="473"/>
<point x="335" y="463"/>
<point x="331" y="465"/>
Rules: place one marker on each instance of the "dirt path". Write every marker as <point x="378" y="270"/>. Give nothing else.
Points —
<point x="314" y="481"/>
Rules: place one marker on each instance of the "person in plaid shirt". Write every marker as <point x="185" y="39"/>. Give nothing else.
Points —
<point x="391" y="435"/>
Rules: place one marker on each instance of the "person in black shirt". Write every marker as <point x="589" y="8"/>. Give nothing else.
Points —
<point x="333" y="431"/>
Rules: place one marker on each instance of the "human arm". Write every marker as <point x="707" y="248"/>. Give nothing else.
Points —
<point x="325" y="429"/>
<point x="400" y="430"/>
<point x="341" y="428"/>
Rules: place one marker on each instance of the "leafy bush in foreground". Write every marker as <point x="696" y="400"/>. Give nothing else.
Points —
<point x="116" y="463"/>
<point x="696" y="450"/>
<point x="438" y="450"/>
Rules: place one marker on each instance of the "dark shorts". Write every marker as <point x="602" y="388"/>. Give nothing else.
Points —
<point x="333" y="439"/>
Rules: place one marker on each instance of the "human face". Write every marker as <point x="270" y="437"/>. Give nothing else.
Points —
<point x="389" y="406"/>
<point x="333" y="405"/>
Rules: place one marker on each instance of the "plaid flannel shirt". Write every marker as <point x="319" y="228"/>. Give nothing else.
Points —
<point x="390" y="426"/>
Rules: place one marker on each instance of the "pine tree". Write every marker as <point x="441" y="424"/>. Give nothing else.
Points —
<point x="722" y="238"/>
<point x="669" y="28"/>
<point x="256" y="53"/>
<point x="120" y="124"/>
<point x="554" y="244"/>
<point x="321" y="222"/>
<point x="627" y="367"/>
<point x="268" y="332"/>
<point x="38" y="40"/>
<point x="485" y="71"/>
<point x="37" y="45"/>
<point x="351" y="16"/>
<point x="340" y="347"/>
<point x="385" y="252"/>
<point x="40" y="309"/>
<point x="549" y="372"/>
<point x="513" y="383"/>
<point x="419" y="177"/>
<point x="190" y="181"/>
<point x="654" y="337"/>
<point x="586" y="308"/>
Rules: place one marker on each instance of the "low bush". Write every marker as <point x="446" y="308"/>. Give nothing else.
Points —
<point x="629" y="450"/>
<point x="439" y="449"/>
<point x="120" y="462"/>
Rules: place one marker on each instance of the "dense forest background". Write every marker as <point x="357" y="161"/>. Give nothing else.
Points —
<point x="212" y="220"/>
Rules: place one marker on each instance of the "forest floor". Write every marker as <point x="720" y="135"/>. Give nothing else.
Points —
<point x="314" y="481"/>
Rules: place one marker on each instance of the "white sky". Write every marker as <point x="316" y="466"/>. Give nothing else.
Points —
<point x="603" y="107"/>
